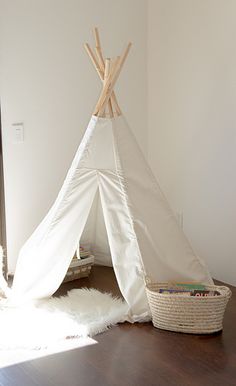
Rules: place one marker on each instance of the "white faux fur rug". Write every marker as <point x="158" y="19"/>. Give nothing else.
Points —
<point x="81" y="313"/>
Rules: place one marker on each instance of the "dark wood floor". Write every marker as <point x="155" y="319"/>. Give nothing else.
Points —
<point x="138" y="355"/>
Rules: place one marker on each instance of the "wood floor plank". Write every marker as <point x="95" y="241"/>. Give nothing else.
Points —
<point x="135" y="355"/>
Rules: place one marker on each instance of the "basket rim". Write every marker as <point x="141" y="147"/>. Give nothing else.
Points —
<point x="224" y="291"/>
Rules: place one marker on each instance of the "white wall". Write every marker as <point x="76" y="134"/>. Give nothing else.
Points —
<point x="192" y="120"/>
<point x="48" y="82"/>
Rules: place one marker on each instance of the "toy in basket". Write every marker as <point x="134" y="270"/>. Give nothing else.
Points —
<point x="187" y="307"/>
<point x="80" y="265"/>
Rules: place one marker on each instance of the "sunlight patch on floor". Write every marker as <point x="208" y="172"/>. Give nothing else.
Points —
<point x="12" y="357"/>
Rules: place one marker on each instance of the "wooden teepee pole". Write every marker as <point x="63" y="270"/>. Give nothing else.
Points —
<point x="110" y="83"/>
<point x="101" y="74"/>
<point x="99" y="65"/>
<point x="94" y="61"/>
<point x="106" y="75"/>
<point x="98" y="49"/>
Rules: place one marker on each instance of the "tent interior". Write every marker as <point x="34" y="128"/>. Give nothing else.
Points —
<point x="94" y="236"/>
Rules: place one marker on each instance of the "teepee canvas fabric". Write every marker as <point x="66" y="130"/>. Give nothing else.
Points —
<point x="143" y="234"/>
<point x="111" y="200"/>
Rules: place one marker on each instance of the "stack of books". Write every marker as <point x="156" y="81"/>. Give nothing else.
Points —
<point x="75" y="262"/>
<point x="82" y="252"/>
<point x="188" y="289"/>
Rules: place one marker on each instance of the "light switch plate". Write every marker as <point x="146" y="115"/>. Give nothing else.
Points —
<point x="18" y="132"/>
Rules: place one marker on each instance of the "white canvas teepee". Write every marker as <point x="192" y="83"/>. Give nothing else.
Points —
<point x="110" y="186"/>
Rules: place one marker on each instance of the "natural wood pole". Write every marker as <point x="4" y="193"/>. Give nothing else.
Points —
<point x="98" y="50"/>
<point x="106" y="74"/>
<point x="100" y="72"/>
<point x="106" y="89"/>
<point x="115" y="103"/>
<point x="110" y="83"/>
<point x="99" y="65"/>
<point x="100" y="68"/>
<point x="94" y="61"/>
<point x="113" y="96"/>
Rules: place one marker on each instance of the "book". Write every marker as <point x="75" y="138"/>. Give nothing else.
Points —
<point x="80" y="262"/>
<point x="204" y="293"/>
<point x="188" y="286"/>
<point x="174" y="291"/>
<point x="82" y="252"/>
<point x="185" y="292"/>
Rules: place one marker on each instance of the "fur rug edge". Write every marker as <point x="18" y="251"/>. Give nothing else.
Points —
<point x="79" y="314"/>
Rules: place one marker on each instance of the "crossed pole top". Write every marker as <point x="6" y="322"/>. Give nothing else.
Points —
<point x="108" y="71"/>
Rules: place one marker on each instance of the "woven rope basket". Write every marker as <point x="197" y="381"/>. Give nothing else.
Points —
<point x="75" y="273"/>
<point x="189" y="314"/>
